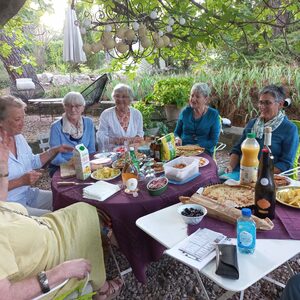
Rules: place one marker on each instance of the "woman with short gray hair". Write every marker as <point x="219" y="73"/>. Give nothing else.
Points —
<point x="72" y="129"/>
<point x="285" y="137"/>
<point x="121" y="122"/>
<point x="198" y="124"/>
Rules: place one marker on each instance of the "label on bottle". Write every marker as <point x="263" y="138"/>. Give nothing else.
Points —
<point x="264" y="181"/>
<point x="248" y="175"/>
<point x="245" y="238"/>
<point x="263" y="204"/>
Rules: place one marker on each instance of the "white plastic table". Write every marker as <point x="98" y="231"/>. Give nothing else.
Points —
<point x="167" y="227"/>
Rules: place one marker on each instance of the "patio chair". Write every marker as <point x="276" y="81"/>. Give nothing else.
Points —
<point x="27" y="88"/>
<point x="93" y="93"/>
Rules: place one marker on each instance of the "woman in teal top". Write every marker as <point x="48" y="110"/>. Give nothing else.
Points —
<point x="198" y="124"/>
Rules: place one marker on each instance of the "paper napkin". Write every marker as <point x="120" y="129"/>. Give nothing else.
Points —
<point x="100" y="190"/>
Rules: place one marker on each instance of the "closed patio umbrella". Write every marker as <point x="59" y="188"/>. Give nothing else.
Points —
<point x="72" y="51"/>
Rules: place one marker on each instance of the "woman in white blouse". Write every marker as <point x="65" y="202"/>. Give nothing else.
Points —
<point x="121" y="122"/>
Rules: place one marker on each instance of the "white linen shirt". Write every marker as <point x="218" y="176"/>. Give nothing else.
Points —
<point x="110" y="127"/>
<point x="25" y="162"/>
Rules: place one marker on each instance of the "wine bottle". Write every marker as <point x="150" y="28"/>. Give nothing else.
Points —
<point x="129" y="170"/>
<point x="265" y="192"/>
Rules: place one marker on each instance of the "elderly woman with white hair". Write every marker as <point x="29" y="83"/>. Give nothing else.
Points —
<point x="198" y="124"/>
<point x="121" y="122"/>
<point x="72" y="129"/>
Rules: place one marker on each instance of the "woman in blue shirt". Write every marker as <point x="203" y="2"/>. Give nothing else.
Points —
<point x="72" y="129"/>
<point x="198" y="123"/>
<point x="285" y="138"/>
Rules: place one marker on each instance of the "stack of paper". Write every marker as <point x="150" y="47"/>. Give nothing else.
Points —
<point x="198" y="249"/>
<point x="100" y="191"/>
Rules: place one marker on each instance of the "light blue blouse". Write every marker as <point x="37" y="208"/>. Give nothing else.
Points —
<point x="58" y="137"/>
<point x="25" y="162"/>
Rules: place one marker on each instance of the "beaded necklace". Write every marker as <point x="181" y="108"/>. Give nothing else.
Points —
<point x="24" y="215"/>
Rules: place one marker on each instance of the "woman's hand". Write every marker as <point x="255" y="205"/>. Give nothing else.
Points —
<point x="60" y="149"/>
<point x="178" y="141"/>
<point x="31" y="178"/>
<point x="76" y="268"/>
<point x="228" y="169"/>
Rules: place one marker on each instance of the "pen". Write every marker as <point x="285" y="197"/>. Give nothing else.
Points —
<point x="190" y="256"/>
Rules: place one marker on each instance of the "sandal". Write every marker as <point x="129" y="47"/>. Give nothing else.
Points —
<point x="113" y="288"/>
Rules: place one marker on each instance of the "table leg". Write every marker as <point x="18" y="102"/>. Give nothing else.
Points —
<point x="203" y="289"/>
<point x="229" y="294"/>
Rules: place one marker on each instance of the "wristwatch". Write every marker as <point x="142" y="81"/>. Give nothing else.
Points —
<point x="43" y="281"/>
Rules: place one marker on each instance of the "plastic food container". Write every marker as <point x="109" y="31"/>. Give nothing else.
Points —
<point x="160" y="189"/>
<point x="181" y="168"/>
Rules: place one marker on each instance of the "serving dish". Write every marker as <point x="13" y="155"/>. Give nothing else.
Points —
<point x="157" y="186"/>
<point x="105" y="174"/>
<point x="289" y="196"/>
<point x="190" y="219"/>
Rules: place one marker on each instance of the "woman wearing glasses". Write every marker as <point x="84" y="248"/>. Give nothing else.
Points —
<point x="121" y="122"/>
<point x="284" y="133"/>
<point x="72" y="129"/>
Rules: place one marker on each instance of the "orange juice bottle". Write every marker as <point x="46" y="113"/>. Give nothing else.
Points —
<point x="249" y="161"/>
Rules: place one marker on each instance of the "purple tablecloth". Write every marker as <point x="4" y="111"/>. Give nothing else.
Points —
<point x="123" y="209"/>
<point x="286" y="225"/>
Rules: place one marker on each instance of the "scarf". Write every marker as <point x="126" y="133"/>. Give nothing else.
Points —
<point x="75" y="132"/>
<point x="259" y="125"/>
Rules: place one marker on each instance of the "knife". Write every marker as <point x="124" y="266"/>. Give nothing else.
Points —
<point x="66" y="183"/>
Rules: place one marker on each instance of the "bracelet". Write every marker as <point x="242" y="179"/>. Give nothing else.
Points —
<point x="3" y="175"/>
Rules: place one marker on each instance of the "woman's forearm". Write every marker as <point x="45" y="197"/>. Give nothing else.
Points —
<point x="30" y="288"/>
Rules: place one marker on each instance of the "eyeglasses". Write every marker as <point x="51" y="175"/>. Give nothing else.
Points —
<point x="266" y="103"/>
<point x="77" y="106"/>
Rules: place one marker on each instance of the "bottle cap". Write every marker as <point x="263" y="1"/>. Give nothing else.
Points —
<point x="131" y="148"/>
<point x="251" y="135"/>
<point x="246" y="212"/>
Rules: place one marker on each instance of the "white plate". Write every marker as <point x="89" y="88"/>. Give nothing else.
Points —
<point x="105" y="179"/>
<point x="202" y="161"/>
<point x="101" y="160"/>
<point x="105" y="155"/>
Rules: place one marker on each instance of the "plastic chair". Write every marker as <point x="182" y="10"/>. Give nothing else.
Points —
<point x="93" y="93"/>
<point x="296" y="163"/>
<point x="43" y="139"/>
<point x="83" y="291"/>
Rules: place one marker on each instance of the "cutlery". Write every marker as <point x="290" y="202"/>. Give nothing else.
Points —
<point x="66" y="183"/>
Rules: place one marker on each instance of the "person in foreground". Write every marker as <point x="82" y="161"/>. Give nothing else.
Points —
<point x="65" y="244"/>
<point x="121" y="122"/>
<point x="198" y="124"/>
<point x="284" y="133"/>
<point x="72" y="129"/>
<point x="22" y="162"/>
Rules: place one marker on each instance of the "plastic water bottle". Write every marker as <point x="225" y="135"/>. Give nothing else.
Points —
<point x="246" y="232"/>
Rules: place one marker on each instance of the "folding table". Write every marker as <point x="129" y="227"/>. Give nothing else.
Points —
<point x="167" y="227"/>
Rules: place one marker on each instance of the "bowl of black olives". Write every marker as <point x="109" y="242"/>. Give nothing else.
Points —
<point x="192" y="213"/>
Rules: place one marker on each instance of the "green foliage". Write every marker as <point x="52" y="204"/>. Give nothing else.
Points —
<point x="61" y="91"/>
<point x="147" y="110"/>
<point x="173" y="90"/>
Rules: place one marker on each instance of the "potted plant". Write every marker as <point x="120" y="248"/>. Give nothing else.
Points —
<point x="147" y="110"/>
<point x="172" y="93"/>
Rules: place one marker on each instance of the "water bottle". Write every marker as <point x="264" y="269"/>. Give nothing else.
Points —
<point x="246" y="232"/>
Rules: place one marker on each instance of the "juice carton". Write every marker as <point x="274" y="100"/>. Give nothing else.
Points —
<point x="82" y="162"/>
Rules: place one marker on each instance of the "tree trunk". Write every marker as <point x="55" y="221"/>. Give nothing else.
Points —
<point x="14" y="60"/>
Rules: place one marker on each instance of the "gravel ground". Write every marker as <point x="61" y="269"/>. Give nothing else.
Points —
<point x="167" y="278"/>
